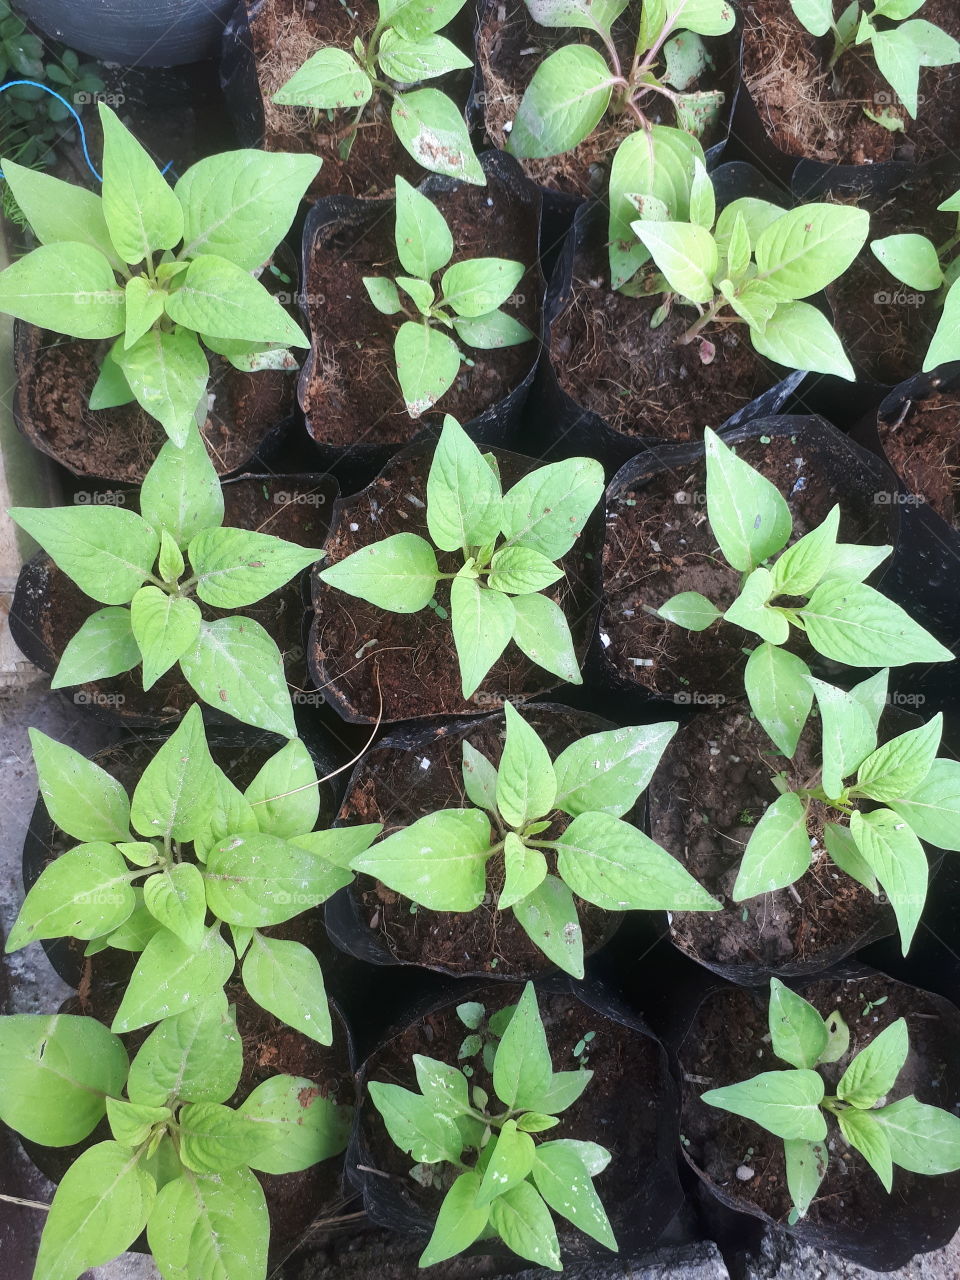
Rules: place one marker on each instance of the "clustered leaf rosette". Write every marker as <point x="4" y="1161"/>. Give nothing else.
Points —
<point x="506" y="1182"/>
<point x="136" y="565"/>
<point x="918" y="263"/>
<point x="900" y="48"/>
<point x="440" y="861"/>
<point x="792" y="1104"/>
<point x="171" y="270"/>
<point x="179" y="1161"/>
<point x="576" y="85"/>
<point x="471" y="293"/>
<point x="403" y="49"/>
<point x="160" y="873"/>
<point x="509" y="543"/>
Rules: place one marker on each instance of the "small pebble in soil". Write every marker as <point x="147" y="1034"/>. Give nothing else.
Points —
<point x="745" y="1173"/>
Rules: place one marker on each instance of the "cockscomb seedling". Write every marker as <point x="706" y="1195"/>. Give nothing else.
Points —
<point x="750" y="265"/>
<point x="900" y="48"/>
<point x="403" y="49"/>
<point x="483" y="1033"/>
<point x="506" y="1181"/>
<point x="912" y="796"/>
<point x="793" y="1105"/>
<point x="576" y="85"/>
<point x="920" y="264"/>
<point x="180" y="1162"/>
<point x="137" y="565"/>
<point x="160" y="873"/>
<point x="822" y="581"/>
<point x="508" y="544"/>
<point x="441" y="861"/>
<point x="467" y="300"/>
<point x="171" y="270"/>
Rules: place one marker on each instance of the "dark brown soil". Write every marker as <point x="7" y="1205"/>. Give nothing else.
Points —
<point x="923" y="448"/>
<point x="711" y="789"/>
<point x="510" y="47"/>
<point x="59" y="607"/>
<point x="642" y="380"/>
<point x="851" y="1195"/>
<point x="57" y="374"/>
<point x="659" y="543"/>
<point x="354" y="646"/>
<point x="285" y="33"/>
<point x="397" y="786"/>
<point x="884" y="325"/>
<point x="811" y="112"/>
<point x="622" y="1107"/>
<point x="351" y="394"/>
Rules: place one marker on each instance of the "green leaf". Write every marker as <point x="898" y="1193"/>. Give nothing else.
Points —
<point x="897" y="9"/>
<point x="427" y="364"/>
<point x="563" y="103"/>
<point x="82" y="894"/>
<point x="167" y="373"/>
<point x="872" y="695"/>
<point x="521" y="1067"/>
<point x="100" y="1207"/>
<point x="848" y="734"/>
<point x="414" y="1125"/>
<point x="548" y="916"/>
<point x="236" y="667"/>
<point x="383" y="294"/>
<point x="595" y="15"/>
<point x="410" y="61"/>
<point x="483" y="621"/>
<point x="214" y="1138"/>
<point x="285" y="978"/>
<point x="945" y="343"/>
<point x="691" y="610"/>
<point x="902" y="51"/>
<point x="438" y="861"/>
<point x="706" y="17"/>
<point x="799" y="336"/>
<point x="424" y="242"/>
<point x="817" y="17"/>
<point x="526" y="870"/>
<point x="748" y="516"/>
<point x="289" y="770"/>
<point x="103" y="646"/>
<point x="802" y="566"/>
<point x="806" y="1168"/>
<point x="172" y="798"/>
<point x="869" y="1138"/>
<point x="932" y="809"/>
<point x="842" y="848"/>
<point x="58" y="211"/>
<point x="564" y="1089"/>
<point x="806" y="248"/>
<point x="520" y="571"/>
<point x="873" y="1072"/>
<point x="523" y="1222"/>
<point x="479" y="778"/>
<point x="430" y="127"/>
<point x="57" y="1073"/>
<point x="777" y="853"/>
<point x="107" y="551"/>
<point x="331" y="78"/>
<point x="143" y="308"/>
<point x="175" y="896"/>
<point x="606" y="772"/>
<point x="254" y="880"/>
<point x="464" y="504"/>
<point x="685" y="253"/>
<point x="135" y="932"/>
<point x="69" y="288"/>
<point x="798" y="1034"/>
<point x="895" y="856"/>
<point x="239" y="205"/>
<point x="492" y="331"/>
<point x="196" y="1056"/>
<point x="141" y="210"/>
<point x="170" y="563"/>
<point x="563" y="1180"/>
<point x="237" y="567"/>
<point x="900" y="765"/>
<point x="445" y="1085"/>
<point x="303" y="1126"/>
<point x="542" y="632"/>
<point x="750" y="609"/>
<point x="510" y="1162"/>
<point x="779" y="694"/>
<point x="754" y="301"/>
<point x="910" y="258"/>
<point x="838" y="1038"/>
<point x="131" y="1122"/>
<point x="210" y="1227"/>
<point x="785" y="1103"/>
<point x="340" y="845"/>
<point x="459" y="1222"/>
<point x="852" y="623"/>
<point x="181" y="492"/>
<point x="229" y="814"/>
<point x="164" y="627"/>
<point x="477" y="286"/>
<point x="218" y="298"/>
<point x="526" y="783"/>
<point x="81" y="798"/>
<point x="398" y="573"/>
<point x="171" y="977"/>
<point x="547" y="510"/>
<point x="421" y="293"/>
<point x="923" y="1139"/>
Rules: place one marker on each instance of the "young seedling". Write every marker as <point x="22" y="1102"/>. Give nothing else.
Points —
<point x="576" y="86"/>
<point x="505" y="1181"/>
<point x="912" y="796"/>
<point x="136" y="565"/>
<point x="920" y="264"/>
<point x="470" y="294"/>
<point x="750" y="265"/>
<point x="179" y="1161"/>
<point x="166" y="268"/>
<point x="403" y="49"/>
<point x="484" y="1033"/>
<point x="507" y="545"/>
<point x="793" y="1104"/>
<point x="900" y="48"/>
<point x="441" y="860"/>
<point x="822" y="580"/>
<point x="160" y="873"/>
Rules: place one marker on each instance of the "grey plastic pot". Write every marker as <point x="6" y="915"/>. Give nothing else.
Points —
<point x="165" y="33"/>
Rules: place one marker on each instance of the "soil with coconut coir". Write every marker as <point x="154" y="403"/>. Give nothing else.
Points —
<point x="810" y="111"/>
<point x="923" y="447"/>
<point x="363" y="652"/>
<point x="511" y="46"/>
<point x="353" y="395"/>
<point x="721" y="1145"/>
<point x="397" y="787"/>
<point x="659" y="543"/>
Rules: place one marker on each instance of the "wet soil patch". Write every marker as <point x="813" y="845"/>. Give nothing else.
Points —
<point x="923" y="447"/>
